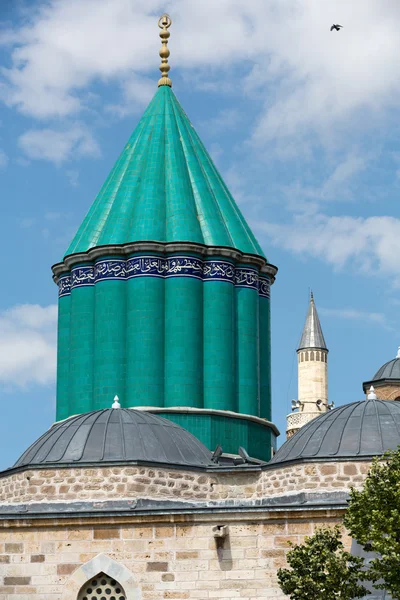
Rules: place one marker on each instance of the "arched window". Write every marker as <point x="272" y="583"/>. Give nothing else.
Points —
<point x="312" y="355"/>
<point x="306" y="355"/>
<point x="102" y="587"/>
<point x="318" y="356"/>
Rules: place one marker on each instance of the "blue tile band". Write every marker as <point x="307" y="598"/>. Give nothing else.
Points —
<point x="150" y="266"/>
<point x="184" y="265"/>
<point x="264" y="287"/>
<point x="218" y="270"/>
<point x="245" y="277"/>
<point x="155" y="266"/>
<point x="64" y="285"/>
<point x="82" y="276"/>
<point x="109" y="269"/>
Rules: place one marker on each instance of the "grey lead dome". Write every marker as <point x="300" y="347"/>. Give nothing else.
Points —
<point x="390" y="370"/>
<point x="359" y="430"/>
<point x="119" y="436"/>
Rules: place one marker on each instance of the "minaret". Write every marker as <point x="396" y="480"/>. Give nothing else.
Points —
<point x="312" y="356"/>
<point x="164" y="291"/>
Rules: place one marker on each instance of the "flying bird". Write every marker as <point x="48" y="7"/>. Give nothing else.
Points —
<point x="336" y="27"/>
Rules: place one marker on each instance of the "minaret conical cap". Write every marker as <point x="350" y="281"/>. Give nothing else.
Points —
<point x="312" y="336"/>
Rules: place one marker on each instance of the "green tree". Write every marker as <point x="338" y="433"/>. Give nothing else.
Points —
<point x="322" y="570"/>
<point x="373" y="519"/>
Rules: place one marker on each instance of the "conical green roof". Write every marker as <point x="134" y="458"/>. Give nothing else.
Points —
<point x="164" y="187"/>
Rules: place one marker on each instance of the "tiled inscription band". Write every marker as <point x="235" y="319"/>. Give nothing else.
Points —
<point x="154" y="266"/>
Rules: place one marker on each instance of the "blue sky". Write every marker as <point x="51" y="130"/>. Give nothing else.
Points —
<point x="302" y="123"/>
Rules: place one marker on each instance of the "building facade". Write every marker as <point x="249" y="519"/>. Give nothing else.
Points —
<point x="130" y="499"/>
<point x="173" y="493"/>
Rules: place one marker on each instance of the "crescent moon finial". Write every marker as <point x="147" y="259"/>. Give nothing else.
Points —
<point x="164" y="24"/>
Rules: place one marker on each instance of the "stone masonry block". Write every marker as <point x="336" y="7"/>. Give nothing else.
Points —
<point x="107" y="534"/>
<point x="17" y="581"/>
<point x="37" y="558"/>
<point x="66" y="568"/>
<point x="157" y="566"/>
<point x="14" y="548"/>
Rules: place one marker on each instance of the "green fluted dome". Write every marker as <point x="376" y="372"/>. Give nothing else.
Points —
<point x="164" y="187"/>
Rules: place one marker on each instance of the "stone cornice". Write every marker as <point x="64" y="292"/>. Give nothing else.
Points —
<point x="124" y="250"/>
<point x="119" y="512"/>
<point x="376" y="383"/>
<point x="208" y="411"/>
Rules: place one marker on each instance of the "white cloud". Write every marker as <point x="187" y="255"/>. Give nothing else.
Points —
<point x="54" y="216"/>
<point x="216" y="151"/>
<point x="318" y="80"/>
<point x="335" y="187"/>
<point x="66" y="45"/>
<point x="369" y="245"/>
<point x="73" y="177"/>
<point x="226" y="120"/>
<point x="58" y="146"/>
<point x="324" y="78"/>
<point x="27" y="222"/>
<point x="28" y="345"/>
<point x="354" y="315"/>
<point x="136" y="92"/>
<point x="346" y="170"/>
<point x="3" y="159"/>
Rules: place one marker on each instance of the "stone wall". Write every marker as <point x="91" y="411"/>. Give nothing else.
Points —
<point x="57" y="485"/>
<point x="387" y="392"/>
<point x="168" y="557"/>
<point x="313" y="477"/>
<point x="39" y="485"/>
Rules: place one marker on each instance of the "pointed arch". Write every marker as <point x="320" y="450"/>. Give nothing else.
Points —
<point x="101" y="564"/>
<point x="102" y="587"/>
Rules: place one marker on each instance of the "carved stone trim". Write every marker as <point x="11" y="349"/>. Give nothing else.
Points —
<point x="101" y="564"/>
<point x="296" y="420"/>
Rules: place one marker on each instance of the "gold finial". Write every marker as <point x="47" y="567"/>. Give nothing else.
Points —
<point x="164" y="23"/>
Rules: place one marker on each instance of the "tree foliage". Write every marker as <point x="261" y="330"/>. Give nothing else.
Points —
<point x="322" y="570"/>
<point x="373" y="519"/>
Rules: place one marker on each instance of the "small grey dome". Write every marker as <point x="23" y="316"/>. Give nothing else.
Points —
<point x="358" y="430"/>
<point x="390" y="370"/>
<point x="116" y="436"/>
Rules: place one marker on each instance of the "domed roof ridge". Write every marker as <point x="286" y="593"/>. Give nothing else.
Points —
<point x="360" y="429"/>
<point x="209" y="171"/>
<point x="165" y="188"/>
<point x="116" y="435"/>
<point x="386" y="370"/>
<point x="198" y="198"/>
